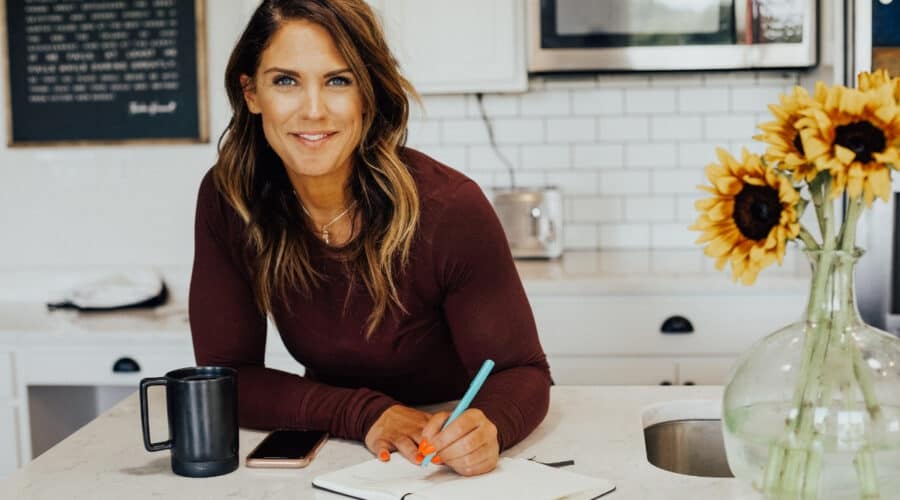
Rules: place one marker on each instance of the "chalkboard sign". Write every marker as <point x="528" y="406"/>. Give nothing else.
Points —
<point x="105" y="71"/>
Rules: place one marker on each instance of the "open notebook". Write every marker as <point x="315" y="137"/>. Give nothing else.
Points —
<point x="513" y="478"/>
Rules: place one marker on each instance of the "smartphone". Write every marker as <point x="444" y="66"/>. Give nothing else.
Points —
<point x="287" y="449"/>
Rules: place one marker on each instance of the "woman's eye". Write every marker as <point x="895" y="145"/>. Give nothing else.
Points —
<point x="339" y="81"/>
<point x="284" y="81"/>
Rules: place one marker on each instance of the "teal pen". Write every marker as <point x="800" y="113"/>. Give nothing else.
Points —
<point x="466" y="400"/>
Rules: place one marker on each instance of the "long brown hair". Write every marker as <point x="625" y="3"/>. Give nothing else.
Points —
<point x="254" y="181"/>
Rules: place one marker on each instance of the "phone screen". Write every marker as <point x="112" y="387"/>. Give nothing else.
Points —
<point x="287" y="444"/>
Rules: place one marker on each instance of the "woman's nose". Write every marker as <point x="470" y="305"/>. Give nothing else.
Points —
<point x="313" y="105"/>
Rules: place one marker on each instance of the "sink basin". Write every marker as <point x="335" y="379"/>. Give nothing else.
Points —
<point x="692" y="446"/>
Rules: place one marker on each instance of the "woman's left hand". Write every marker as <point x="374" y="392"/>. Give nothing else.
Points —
<point x="468" y="445"/>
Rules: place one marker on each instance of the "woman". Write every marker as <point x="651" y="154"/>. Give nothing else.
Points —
<point x="387" y="273"/>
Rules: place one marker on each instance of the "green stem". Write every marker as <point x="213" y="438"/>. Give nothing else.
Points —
<point x="809" y="241"/>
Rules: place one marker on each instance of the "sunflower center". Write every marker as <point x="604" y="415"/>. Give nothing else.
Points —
<point x="862" y="138"/>
<point x="757" y="210"/>
<point x="798" y="143"/>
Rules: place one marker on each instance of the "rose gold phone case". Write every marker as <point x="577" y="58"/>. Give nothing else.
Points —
<point x="285" y="463"/>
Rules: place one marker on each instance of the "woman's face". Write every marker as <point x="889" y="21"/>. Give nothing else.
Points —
<point x="309" y="101"/>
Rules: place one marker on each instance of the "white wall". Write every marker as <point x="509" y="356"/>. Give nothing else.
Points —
<point x="626" y="149"/>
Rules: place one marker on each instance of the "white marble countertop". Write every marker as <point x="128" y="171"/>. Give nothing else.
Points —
<point x="601" y="428"/>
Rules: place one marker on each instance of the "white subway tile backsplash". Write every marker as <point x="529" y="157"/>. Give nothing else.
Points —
<point x="737" y="78"/>
<point x="676" y="80"/>
<point x="650" y="208"/>
<point x="470" y="131"/>
<point x="580" y="237"/>
<point x="423" y="133"/>
<point x="596" y="209"/>
<point x="575" y="182"/>
<point x="650" y="101"/>
<point x="754" y="99"/>
<point x="676" y="127"/>
<point x="495" y="106"/>
<point x="703" y="100"/>
<point x="623" y="80"/>
<point x="626" y="150"/>
<point x="546" y="103"/>
<point x="684" y="206"/>
<point x="624" y="182"/>
<point x="671" y="235"/>
<point x="629" y="235"/>
<point x="651" y="155"/>
<point x="625" y="128"/>
<point x="484" y="158"/>
<point x="571" y="130"/>
<point x="452" y="156"/>
<point x="544" y="156"/>
<point x="518" y="131"/>
<point x="678" y="181"/>
<point x="598" y="156"/>
<point x="598" y="102"/>
<point x="696" y="154"/>
<point x="735" y="126"/>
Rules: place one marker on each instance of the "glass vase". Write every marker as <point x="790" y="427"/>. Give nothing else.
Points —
<point x="813" y="410"/>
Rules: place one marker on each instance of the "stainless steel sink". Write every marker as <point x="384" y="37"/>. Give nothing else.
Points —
<point x="692" y="447"/>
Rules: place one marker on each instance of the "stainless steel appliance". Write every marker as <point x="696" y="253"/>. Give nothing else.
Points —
<point x="617" y="35"/>
<point x="532" y="220"/>
<point x="871" y="39"/>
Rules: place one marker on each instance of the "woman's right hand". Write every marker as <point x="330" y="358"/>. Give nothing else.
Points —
<point x="399" y="428"/>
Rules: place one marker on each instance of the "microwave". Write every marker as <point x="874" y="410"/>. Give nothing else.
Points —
<point x="670" y="35"/>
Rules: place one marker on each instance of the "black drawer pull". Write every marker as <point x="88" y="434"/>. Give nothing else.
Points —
<point x="126" y="365"/>
<point x="676" y="325"/>
<point x="665" y="382"/>
<point x="688" y="383"/>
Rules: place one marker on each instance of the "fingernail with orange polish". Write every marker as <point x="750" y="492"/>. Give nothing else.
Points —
<point x="428" y="450"/>
<point x="384" y="456"/>
<point x="419" y="458"/>
<point x="437" y="460"/>
<point x="423" y="445"/>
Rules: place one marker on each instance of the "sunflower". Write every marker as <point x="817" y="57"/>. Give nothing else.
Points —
<point x="783" y="136"/>
<point x="749" y="218"/>
<point x="854" y="136"/>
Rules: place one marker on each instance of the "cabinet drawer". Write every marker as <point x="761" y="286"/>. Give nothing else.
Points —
<point x="95" y="366"/>
<point x="610" y="325"/>
<point x="573" y="370"/>
<point x="9" y="442"/>
<point x="704" y="371"/>
<point x="7" y="376"/>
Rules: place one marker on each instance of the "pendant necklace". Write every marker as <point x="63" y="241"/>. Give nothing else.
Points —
<point x="324" y="228"/>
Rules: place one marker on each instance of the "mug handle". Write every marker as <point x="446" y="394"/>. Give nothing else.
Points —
<point x="145" y="420"/>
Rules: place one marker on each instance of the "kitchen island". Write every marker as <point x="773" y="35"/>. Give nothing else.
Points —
<point x="599" y="427"/>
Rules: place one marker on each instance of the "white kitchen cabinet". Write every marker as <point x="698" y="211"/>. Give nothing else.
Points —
<point x="94" y="365"/>
<point x="9" y="440"/>
<point x="618" y="339"/>
<point x="457" y="47"/>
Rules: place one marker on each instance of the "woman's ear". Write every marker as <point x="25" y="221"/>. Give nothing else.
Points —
<point x="250" y="94"/>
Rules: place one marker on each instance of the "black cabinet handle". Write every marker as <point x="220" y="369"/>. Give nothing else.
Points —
<point x="126" y="365"/>
<point x="688" y="383"/>
<point x="665" y="382"/>
<point x="676" y="325"/>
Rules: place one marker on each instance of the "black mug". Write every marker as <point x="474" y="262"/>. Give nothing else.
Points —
<point x="203" y="425"/>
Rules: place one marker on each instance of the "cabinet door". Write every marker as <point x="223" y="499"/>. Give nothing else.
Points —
<point x="574" y="370"/>
<point x="7" y="377"/>
<point x="9" y="444"/>
<point x="704" y="371"/>
<point x="457" y="46"/>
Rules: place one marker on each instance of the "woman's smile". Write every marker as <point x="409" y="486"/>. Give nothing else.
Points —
<point x="313" y="140"/>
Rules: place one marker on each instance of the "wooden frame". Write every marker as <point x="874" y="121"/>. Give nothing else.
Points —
<point x="202" y="108"/>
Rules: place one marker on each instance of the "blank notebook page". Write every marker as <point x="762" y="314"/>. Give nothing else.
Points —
<point x="513" y="478"/>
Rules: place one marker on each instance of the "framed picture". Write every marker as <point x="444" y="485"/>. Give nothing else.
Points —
<point x="105" y="71"/>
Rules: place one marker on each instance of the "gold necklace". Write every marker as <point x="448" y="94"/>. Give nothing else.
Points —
<point x="324" y="228"/>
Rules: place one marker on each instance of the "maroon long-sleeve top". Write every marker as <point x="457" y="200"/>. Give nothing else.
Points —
<point x="464" y="300"/>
